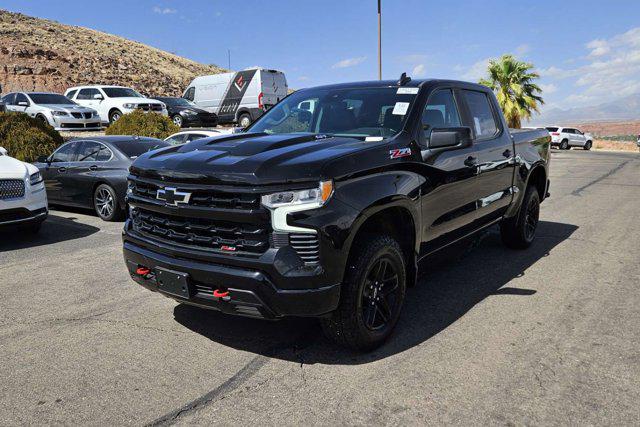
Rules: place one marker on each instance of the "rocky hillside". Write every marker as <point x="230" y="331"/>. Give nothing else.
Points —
<point x="37" y="54"/>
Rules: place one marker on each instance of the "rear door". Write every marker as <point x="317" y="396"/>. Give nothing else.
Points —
<point x="273" y="87"/>
<point x="494" y="157"/>
<point x="93" y="160"/>
<point x="86" y="98"/>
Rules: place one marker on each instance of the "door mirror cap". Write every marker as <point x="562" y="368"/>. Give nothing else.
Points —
<point x="3" y="151"/>
<point x="23" y="103"/>
<point x="451" y="138"/>
<point x="98" y="96"/>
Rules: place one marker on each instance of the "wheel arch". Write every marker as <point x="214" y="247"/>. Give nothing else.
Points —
<point x="538" y="178"/>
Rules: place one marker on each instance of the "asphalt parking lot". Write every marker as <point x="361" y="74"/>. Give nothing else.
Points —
<point x="490" y="336"/>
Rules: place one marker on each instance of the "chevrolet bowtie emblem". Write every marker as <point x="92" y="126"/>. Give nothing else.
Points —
<point x="171" y="196"/>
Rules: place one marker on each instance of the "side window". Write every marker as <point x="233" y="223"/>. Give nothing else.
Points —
<point x="91" y="151"/>
<point x="569" y="131"/>
<point x="176" y="139"/>
<point x="87" y="94"/>
<point x="66" y="153"/>
<point x="194" y="136"/>
<point x="9" y="98"/>
<point x="484" y="122"/>
<point x="20" y="97"/>
<point x="190" y="94"/>
<point x="71" y="94"/>
<point x="440" y="111"/>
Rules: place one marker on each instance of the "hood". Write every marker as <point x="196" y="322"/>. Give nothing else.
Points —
<point x="11" y="168"/>
<point x="67" y="108"/>
<point x="181" y="108"/>
<point x="251" y="159"/>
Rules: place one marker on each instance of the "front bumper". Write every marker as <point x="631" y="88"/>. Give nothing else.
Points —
<point x="72" y="123"/>
<point x="29" y="209"/>
<point x="252" y="292"/>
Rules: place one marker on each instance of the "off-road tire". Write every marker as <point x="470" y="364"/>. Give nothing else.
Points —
<point x="515" y="232"/>
<point x="346" y="326"/>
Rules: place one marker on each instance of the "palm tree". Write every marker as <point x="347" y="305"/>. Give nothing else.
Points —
<point x="512" y="82"/>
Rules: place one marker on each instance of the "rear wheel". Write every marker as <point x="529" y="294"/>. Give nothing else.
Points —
<point x="105" y="203"/>
<point x="244" y="120"/>
<point x="588" y="145"/>
<point x="564" y="145"/>
<point x="177" y="120"/>
<point x="371" y="296"/>
<point x="520" y="231"/>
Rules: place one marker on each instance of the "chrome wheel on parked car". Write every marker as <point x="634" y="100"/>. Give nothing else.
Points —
<point x="105" y="203"/>
<point x="177" y="120"/>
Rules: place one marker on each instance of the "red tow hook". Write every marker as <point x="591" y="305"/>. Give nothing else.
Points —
<point x="144" y="272"/>
<point x="223" y="295"/>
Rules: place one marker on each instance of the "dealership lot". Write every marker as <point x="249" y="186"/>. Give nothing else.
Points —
<point x="549" y="335"/>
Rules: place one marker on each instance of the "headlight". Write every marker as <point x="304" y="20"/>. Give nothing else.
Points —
<point x="190" y="112"/>
<point x="59" y="113"/>
<point x="130" y="106"/>
<point x="35" y="178"/>
<point x="315" y="196"/>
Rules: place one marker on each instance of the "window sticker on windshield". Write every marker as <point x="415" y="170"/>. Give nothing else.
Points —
<point x="400" y="108"/>
<point x="407" y="90"/>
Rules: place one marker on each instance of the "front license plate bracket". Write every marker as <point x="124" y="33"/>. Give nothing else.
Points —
<point x="173" y="282"/>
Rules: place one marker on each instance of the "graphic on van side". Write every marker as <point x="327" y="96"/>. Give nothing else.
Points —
<point x="235" y="91"/>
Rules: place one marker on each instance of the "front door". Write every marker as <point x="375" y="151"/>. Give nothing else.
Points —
<point x="449" y="197"/>
<point x="55" y="174"/>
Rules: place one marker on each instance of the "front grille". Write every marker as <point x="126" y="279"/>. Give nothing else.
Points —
<point x="72" y="125"/>
<point x="306" y="246"/>
<point x="11" y="189"/>
<point x="201" y="233"/>
<point x="77" y="115"/>
<point x="150" y="107"/>
<point x="82" y="115"/>
<point x="204" y="198"/>
<point x="87" y="115"/>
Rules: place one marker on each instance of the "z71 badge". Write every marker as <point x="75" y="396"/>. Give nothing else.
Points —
<point x="399" y="152"/>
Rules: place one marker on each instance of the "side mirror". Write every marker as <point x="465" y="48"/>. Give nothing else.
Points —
<point x="98" y="96"/>
<point x="42" y="159"/>
<point x="4" y="151"/>
<point x="23" y="103"/>
<point x="457" y="137"/>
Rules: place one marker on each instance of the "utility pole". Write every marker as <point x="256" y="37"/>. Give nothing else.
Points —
<point x="379" y="40"/>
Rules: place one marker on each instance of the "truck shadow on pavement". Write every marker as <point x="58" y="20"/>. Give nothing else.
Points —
<point x="456" y="280"/>
<point x="55" y="229"/>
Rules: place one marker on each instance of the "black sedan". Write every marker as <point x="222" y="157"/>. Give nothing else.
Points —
<point x="93" y="172"/>
<point x="185" y="113"/>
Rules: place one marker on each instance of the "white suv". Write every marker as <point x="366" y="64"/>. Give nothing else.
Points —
<point x="23" y="199"/>
<point x="111" y="102"/>
<point x="565" y="138"/>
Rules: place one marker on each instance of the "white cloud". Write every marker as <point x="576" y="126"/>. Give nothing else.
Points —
<point x="164" y="10"/>
<point x="475" y="72"/>
<point x="418" y="71"/>
<point x="349" y="62"/>
<point x="598" y="48"/>
<point x="548" y="89"/>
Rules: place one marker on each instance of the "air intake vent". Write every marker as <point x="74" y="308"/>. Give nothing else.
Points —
<point x="307" y="247"/>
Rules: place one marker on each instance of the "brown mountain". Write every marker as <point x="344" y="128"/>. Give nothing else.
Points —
<point x="42" y="55"/>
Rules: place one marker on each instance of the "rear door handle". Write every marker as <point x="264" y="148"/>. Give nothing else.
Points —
<point x="93" y="168"/>
<point x="507" y="153"/>
<point x="62" y="169"/>
<point x="470" y="161"/>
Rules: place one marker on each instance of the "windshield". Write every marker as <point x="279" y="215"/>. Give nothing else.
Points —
<point x="121" y="92"/>
<point x="136" y="148"/>
<point x="354" y="112"/>
<point x="50" y="98"/>
<point x="177" y="102"/>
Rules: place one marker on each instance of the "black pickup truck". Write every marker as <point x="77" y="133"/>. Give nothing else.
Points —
<point x="326" y="204"/>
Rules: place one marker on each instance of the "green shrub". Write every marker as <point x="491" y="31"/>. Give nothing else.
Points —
<point x="143" y="124"/>
<point x="26" y="137"/>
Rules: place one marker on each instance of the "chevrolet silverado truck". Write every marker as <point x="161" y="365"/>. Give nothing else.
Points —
<point x="326" y="204"/>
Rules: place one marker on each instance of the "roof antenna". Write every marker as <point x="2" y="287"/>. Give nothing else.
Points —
<point x="404" y="79"/>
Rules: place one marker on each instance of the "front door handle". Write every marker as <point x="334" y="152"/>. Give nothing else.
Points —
<point x="93" y="168"/>
<point x="507" y="153"/>
<point x="470" y="161"/>
<point x="62" y="169"/>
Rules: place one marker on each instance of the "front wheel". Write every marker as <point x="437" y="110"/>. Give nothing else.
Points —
<point x="587" y="145"/>
<point x="105" y="202"/>
<point x="371" y="296"/>
<point x="177" y="120"/>
<point x="519" y="231"/>
<point x="43" y="119"/>
<point x="114" y="116"/>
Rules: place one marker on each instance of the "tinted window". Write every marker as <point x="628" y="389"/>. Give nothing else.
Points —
<point x="551" y="129"/>
<point x="190" y="94"/>
<point x="176" y="139"/>
<point x="135" y="148"/>
<point x="440" y="111"/>
<point x="71" y="94"/>
<point x="50" y="98"/>
<point x="567" y="130"/>
<point x="121" y="92"/>
<point x="66" y="153"/>
<point x="91" y="151"/>
<point x="9" y="98"/>
<point x="20" y="97"/>
<point x="194" y="136"/>
<point x="88" y="93"/>
<point x="483" y="122"/>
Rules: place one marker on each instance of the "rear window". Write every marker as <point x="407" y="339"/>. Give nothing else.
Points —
<point x="136" y="148"/>
<point x="552" y="129"/>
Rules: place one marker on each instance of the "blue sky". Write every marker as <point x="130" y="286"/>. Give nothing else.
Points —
<point x="587" y="52"/>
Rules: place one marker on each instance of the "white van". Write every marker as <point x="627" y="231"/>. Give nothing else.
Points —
<point x="238" y="97"/>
